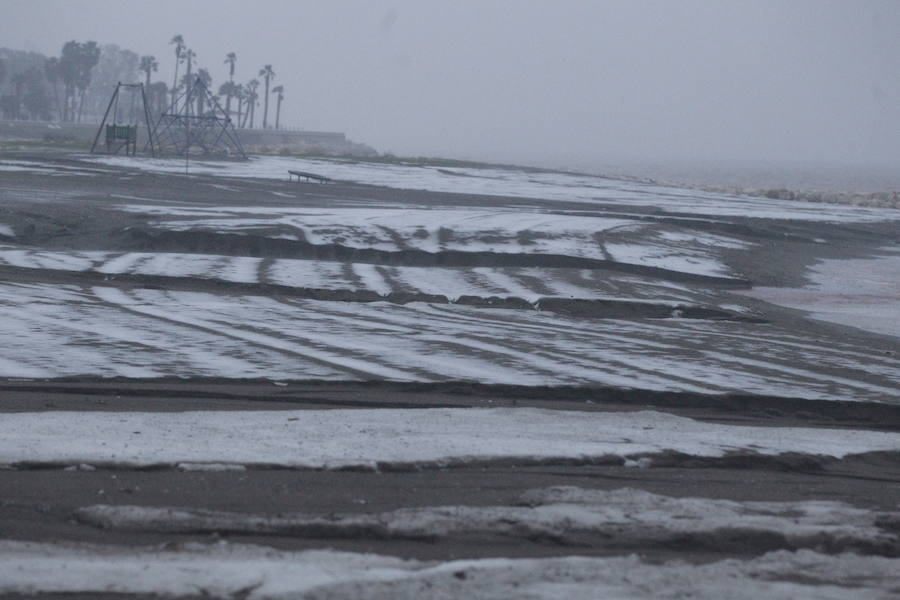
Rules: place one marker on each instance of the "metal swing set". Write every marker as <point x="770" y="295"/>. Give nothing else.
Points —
<point x="121" y="135"/>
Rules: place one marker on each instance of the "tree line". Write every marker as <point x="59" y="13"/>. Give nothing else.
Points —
<point x="76" y="86"/>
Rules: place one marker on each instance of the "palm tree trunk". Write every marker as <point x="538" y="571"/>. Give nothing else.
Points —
<point x="174" y="86"/>
<point x="278" y="112"/>
<point x="266" y="108"/>
<point x="81" y="106"/>
<point x="56" y="99"/>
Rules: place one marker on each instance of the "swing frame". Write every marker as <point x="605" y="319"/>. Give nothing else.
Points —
<point x="119" y="136"/>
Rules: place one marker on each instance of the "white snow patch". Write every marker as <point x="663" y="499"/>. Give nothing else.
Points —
<point x="22" y="169"/>
<point x="365" y="438"/>
<point x="447" y="281"/>
<point x="511" y="182"/>
<point x="258" y="573"/>
<point x="26" y="166"/>
<point x="45" y="259"/>
<point x="738" y="308"/>
<point x="469" y="229"/>
<point x="66" y="330"/>
<point x="703" y="239"/>
<point x="371" y="278"/>
<point x="560" y="513"/>
<point x="528" y="231"/>
<point x="685" y="260"/>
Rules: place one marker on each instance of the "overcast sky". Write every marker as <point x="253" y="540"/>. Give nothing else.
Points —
<point x="539" y="81"/>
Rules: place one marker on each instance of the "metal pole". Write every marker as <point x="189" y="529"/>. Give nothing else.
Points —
<point x="147" y="120"/>
<point x="187" y="147"/>
<point x="105" y="115"/>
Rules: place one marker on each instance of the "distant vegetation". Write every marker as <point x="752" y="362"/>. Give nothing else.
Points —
<point x="76" y="86"/>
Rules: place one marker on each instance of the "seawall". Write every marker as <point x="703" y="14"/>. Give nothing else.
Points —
<point x="254" y="140"/>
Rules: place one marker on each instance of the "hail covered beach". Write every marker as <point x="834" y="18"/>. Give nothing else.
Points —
<point x="440" y="380"/>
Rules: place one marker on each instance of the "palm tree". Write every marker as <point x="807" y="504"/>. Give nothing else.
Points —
<point x="148" y="65"/>
<point x="206" y="79"/>
<point x="51" y="72"/>
<point x="268" y="74"/>
<point x="278" y="89"/>
<point x="251" y="100"/>
<point x="239" y="94"/>
<point x="156" y="96"/>
<point x="68" y="73"/>
<point x="178" y="40"/>
<point x="189" y="56"/>
<point x="188" y="79"/>
<point x="88" y="57"/>
<point x="229" y="90"/>
<point x="18" y="81"/>
<point x="230" y="59"/>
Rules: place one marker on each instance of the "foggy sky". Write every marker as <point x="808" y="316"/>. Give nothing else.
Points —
<point x="537" y="81"/>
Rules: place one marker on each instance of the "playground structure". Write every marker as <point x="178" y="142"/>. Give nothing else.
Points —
<point x="119" y="135"/>
<point x="196" y="123"/>
<point x="193" y="123"/>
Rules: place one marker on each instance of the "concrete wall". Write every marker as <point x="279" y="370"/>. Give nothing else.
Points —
<point x="273" y="137"/>
<point x="40" y="130"/>
<point x="252" y="139"/>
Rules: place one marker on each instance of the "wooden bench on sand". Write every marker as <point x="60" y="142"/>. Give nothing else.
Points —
<point x="307" y="176"/>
